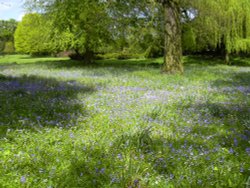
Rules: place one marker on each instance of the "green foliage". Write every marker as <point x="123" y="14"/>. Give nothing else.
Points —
<point x="120" y="55"/>
<point x="9" y="48"/>
<point x="32" y="35"/>
<point x="188" y="39"/>
<point x="2" y="44"/>
<point x="223" y="24"/>
<point x="138" y="27"/>
<point x="7" y="29"/>
<point x="153" y="51"/>
<point x="80" y="22"/>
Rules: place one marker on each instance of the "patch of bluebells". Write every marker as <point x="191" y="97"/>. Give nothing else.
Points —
<point x="188" y="139"/>
<point x="39" y="86"/>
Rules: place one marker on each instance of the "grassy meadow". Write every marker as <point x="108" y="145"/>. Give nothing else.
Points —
<point x="121" y="123"/>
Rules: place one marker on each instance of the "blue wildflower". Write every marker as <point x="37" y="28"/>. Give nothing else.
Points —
<point x="119" y="156"/>
<point x="23" y="179"/>
<point x="102" y="170"/>
<point x="136" y="182"/>
<point x="235" y="142"/>
<point x="248" y="151"/>
<point x="241" y="169"/>
<point x="171" y="176"/>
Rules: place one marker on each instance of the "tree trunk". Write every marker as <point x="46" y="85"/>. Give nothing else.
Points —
<point x="173" y="47"/>
<point x="227" y="58"/>
<point x="88" y="56"/>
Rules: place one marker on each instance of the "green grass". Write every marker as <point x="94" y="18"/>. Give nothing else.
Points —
<point x="123" y="124"/>
<point x="23" y="59"/>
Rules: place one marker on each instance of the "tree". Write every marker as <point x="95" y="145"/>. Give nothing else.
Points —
<point x="7" y="29"/>
<point x="9" y="47"/>
<point x="224" y="25"/>
<point x="137" y="27"/>
<point x="86" y="23"/>
<point x="32" y="35"/>
<point x="172" y="30"/>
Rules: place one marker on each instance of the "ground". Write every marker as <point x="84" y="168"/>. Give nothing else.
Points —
<point x="123" y="124"/>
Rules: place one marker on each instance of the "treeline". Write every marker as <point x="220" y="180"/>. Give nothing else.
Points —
<point x="91" y="29"/>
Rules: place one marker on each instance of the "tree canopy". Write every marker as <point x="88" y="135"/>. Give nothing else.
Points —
<point x="32" y="35"/>
<point x="228" y="28"/>
<point x="97" y="26"/>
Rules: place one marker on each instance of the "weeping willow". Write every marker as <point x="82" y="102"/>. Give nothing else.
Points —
<point x="215" y="24"/>
<point x="224" y="24"/>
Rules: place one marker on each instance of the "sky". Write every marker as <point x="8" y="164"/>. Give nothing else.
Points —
<point x="11" y="9"/>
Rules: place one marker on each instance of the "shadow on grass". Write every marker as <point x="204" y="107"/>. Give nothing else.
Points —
<point x="197" y="148"/>
<point x="35" y="102"/>
<point x="214" y="60"/>
<point x="51" y="62"/>
<point x="91" y="170"/>
<point x="132" y="156"/>
<point x="232" y="116"/>
<point x="241" y="61"/>
<point x="202" y="60"/>
<point x="129" y="65"/>
<point x="234" y="79"/>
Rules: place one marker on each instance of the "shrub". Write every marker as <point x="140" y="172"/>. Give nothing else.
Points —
<point x="9" y="48"/>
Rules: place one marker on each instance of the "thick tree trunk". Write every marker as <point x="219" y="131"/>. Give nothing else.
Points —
<point x="88" y="56"/>
<point x="173" y="47"/>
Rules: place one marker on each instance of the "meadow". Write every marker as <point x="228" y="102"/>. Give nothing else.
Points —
<point x="121" y="123"/>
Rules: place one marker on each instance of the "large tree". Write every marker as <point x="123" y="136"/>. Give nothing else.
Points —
<point x="86" y="23"/>
<point x="32" y="35"/>
<point x="172" y="31"/>
<point x="223" y="25"/>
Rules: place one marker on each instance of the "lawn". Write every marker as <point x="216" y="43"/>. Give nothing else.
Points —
<point x="121" y="123"/>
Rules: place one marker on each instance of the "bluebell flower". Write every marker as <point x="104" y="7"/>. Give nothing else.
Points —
<point x="171" y="176"/>
<point x="119" y="156"/>
<point x="248" y="151"/>
<point x="102" y="171"/>
<point x="71" y="135"/>
<point x="136" y="182"/>
<point x="23" y="179"/>
<point x="235" y="142"/>
<point x="241" y="169"/>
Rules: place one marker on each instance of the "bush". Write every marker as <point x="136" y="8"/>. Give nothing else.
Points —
<point x="9" y="48"/>
<point x="124" y="55"/>
<point x="2" y="43"/>
<point x="75" y="56"/>
<point x="153" y="52"/>
<point x="120" y="56"/>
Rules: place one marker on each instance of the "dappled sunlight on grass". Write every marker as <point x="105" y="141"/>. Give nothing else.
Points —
<point x="123" y="124"/>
